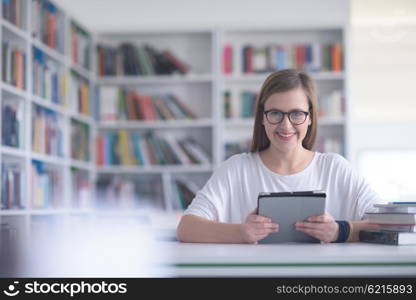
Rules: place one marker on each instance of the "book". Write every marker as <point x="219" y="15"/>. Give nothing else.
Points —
<point x="392" y="218"/>
<point x="387" y="237"/>
<point x="401" y="228"/>
<point x="396" y="208"/>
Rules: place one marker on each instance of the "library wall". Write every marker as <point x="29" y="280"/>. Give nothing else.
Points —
<point x="382" y="68"/>
<point x="187" y="14"/>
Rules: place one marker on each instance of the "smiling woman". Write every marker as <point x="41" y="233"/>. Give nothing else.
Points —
<point x="281" y="160"/>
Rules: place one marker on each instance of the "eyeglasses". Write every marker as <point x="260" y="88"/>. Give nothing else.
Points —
<point x="296" y="117"/>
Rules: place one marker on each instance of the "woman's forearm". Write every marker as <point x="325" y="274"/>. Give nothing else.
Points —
<point x="357" y="226"/>
<point x="194" y="229"/>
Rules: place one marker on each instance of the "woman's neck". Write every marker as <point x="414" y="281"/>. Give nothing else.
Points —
<point x="286" y="163"/>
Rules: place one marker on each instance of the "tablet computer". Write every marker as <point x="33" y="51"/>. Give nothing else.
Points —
<point x="286" y="209"/>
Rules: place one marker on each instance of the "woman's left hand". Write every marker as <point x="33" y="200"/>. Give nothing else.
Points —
<point x="323" y="227"/>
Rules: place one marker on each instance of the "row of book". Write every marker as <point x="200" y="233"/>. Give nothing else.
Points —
<point x="47" y="131"/>
<point x="310" y="57"/>
<point x="129" y="104"/>
<point x="13" y="11"/>
<point x="80" y="137"/>
<point x="48" y="78"/>
<point x="80" y="46"/>
<point x="13" y="65"/>
<point x="11" y="123"/>
<point x="120" y="192"/>
<point x="396" y="222"/>
<point x="47" y="190"/>
<point x="11" y="186"/>
<point x="48" y="24"/>
<point x="244" y="107"/>
<point x="79" y="94"/>
<point x="142" y="59"/>
<point x="130" y="149"/>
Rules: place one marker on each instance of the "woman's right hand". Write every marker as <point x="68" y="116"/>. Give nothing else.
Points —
<point x="257" y="227"/>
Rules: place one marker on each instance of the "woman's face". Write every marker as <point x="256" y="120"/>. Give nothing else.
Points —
<point x="286" y="136"/>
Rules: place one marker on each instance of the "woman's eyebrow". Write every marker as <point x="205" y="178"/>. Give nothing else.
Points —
<point x="273" y="108"/>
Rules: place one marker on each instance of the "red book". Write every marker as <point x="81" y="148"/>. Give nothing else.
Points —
<point x="228" y="59"/>
<point x="181" y="66"/>
<point x="336" y="57"/>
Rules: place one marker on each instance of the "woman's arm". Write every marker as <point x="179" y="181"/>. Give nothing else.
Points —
<point x="194" y="229"/>
<point x="356" y="226"/>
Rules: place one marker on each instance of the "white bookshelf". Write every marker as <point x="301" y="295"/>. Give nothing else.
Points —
<point x="238" y="130"/>
<point x="25" y="153"/>
<point x="202" y="89"/>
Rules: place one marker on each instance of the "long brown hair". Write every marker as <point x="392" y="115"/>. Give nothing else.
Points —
<point x="278" y="82"/>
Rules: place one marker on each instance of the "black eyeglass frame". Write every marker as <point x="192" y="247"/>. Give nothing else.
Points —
<point x="306" y="113"/>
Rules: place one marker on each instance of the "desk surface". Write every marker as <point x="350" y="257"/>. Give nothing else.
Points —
<point x="350" y="259"/>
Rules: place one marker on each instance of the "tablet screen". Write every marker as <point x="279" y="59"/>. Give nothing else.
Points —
<point x="288" y="208"/>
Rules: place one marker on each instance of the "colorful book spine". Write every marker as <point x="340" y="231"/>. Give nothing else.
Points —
<point x="48" y="78"/>
<point x="313" y="57"/>
<point x="130" y="149"/>
<point x="227" y="61"/>
<point x="13" y="65"/>
<point x="80" y="46"/>
<point x="47" y="132"/>
<point x="143" y="59"/>
<point x="47" y="24"/>
<point x="46" y="186"/>
<point x="13" y="12"/>
<point x="79" y="96"/>
<point x="129" y="104"/>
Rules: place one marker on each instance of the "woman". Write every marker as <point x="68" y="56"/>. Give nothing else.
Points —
<point x="281" y="159"/>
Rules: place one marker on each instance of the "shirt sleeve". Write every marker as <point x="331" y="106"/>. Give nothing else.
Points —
<point x="210" y="201"/>
<point x="363" y="197"/>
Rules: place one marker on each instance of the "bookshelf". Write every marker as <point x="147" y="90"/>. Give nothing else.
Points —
<point x="248" y="56"/>
<point x="193" y="89"/>
<point x="46" y="151"/>
<point x="74" y="78"/>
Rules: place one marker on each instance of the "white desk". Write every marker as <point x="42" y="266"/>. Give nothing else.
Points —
<point x="291" y="260"/>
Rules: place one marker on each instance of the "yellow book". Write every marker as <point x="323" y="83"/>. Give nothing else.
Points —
<point x="124" y="149"/>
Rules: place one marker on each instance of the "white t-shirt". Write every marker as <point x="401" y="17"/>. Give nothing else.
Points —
<point x="231" y="192"/>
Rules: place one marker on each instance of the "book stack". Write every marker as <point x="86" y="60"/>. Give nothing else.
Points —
<point x="143" y="59"/>
<point x="397" y="224"/>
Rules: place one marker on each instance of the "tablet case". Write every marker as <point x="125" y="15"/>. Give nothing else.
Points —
<point x="286" y="209"/>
